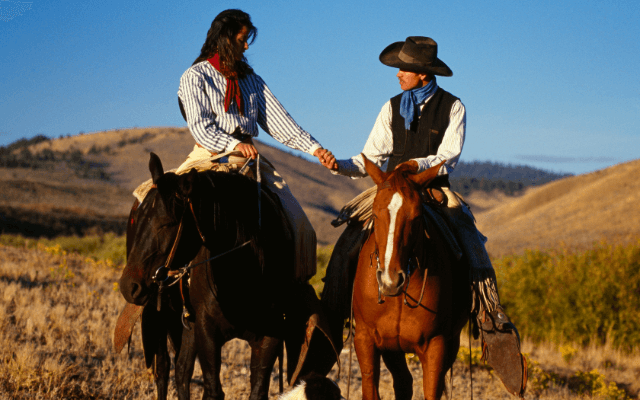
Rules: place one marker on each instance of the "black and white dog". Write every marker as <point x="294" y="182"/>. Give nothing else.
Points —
<point x="313" y="387"/>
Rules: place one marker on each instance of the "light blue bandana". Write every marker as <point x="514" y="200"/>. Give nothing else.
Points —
<point x="411" y="99"/>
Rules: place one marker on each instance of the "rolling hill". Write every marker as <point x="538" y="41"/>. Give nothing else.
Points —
<point x="82" y="184"/>
<point x="575" y="212"/>
<point x="43" y="193"/>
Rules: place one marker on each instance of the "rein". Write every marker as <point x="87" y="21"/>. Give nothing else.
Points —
<point x="163" y="273"/>
<point x="424" y="284"/>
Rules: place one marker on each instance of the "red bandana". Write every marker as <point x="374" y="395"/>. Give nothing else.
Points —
<point x="233" y="89"/>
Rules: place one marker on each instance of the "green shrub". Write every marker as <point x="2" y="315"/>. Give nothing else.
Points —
<point x="323" y="257"/>
<point x="98" y="247"/>
<point x="593" y="384"/>
<point x="580" y="297"/>
<point x="14" y="240"/>
<point x="539" y="379"/>
<point x="476" y="356"/>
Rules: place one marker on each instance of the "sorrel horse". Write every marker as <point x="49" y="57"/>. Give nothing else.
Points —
<point x="244" y="289"/>
<point x="410" y="294"/>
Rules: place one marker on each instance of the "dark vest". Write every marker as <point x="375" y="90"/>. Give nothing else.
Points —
<point x="425" y="135"/>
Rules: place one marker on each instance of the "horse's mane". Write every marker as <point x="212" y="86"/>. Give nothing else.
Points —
<point x="233" y="201"/>
<point x="226" y="206"/>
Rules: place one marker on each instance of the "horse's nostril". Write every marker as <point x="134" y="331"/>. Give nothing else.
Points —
<point x="379" y="276"/>
<point x="136" y="290"/>
<point x="401" y="278"/>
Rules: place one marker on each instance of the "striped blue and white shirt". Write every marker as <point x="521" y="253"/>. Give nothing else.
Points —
<point x="379" y="146"/>
<point x="202" y="90"/>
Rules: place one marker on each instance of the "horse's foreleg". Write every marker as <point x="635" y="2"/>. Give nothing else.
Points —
<point x="263" y="356"/>
<point x="210" y="356"/>
<point x="434" y="359"/>
<point x="162" y="366"/>
<point x="369" y="360"/>
<point x="402" y="379"/>
<point x="185" y="361"/>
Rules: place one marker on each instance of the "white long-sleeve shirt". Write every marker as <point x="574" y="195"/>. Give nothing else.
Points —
<point x="202" y="90"/>
<point x="379" y="145"/>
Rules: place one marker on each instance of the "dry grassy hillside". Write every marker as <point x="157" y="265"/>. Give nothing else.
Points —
<point x="127" y="153"/>
<point x="576" y="211"/>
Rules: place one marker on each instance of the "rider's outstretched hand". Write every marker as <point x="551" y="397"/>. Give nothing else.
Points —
<point x="326" y="158"/>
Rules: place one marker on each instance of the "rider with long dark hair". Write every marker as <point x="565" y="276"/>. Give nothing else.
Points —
<point x="224" y="101"/>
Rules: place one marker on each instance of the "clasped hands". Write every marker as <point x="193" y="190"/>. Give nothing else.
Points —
<point x="326" y="158"/>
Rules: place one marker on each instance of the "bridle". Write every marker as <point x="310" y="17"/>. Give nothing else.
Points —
<point x="376" y="254"/>
<point x="164" y="273"/>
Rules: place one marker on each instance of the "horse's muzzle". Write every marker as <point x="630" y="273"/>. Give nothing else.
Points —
<point x="390" y="283"/>
<point x="134" y="292"/>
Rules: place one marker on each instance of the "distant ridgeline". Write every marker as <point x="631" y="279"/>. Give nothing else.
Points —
<point x="488" y="176"/>
<point x="18" y="155"/>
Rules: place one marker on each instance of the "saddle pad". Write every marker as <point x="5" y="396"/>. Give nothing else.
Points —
<point x="444" y="229"/>
<point x="358" y="209"/>
<point x="206" y="164"/>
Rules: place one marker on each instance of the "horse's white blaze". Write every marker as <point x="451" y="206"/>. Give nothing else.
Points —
<point x="394" y="207"/>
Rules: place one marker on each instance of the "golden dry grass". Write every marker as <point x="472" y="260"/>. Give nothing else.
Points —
<point x="59" y="312"/>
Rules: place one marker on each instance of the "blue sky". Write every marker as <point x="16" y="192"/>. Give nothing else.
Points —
<point x="552" y="84"/>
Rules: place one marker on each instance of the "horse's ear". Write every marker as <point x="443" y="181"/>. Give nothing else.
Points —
<point x="427" y="176"/>
<point x="188" y="183"/>
<point x="374" y="172"/>
<point x="155" y="167"/>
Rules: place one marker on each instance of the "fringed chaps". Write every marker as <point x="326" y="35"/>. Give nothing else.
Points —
<point x="482" y="274"/>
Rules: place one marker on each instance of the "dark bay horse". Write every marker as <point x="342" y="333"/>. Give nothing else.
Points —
<point x="246" y="291"/>
<point x="158" y="325"/>
<point x="410" y="294"/>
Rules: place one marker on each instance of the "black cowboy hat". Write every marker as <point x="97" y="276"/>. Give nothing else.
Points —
<point x="417" y="54"/>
